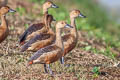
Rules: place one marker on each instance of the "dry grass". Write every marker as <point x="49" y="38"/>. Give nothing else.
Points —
<point x="13" y="62"/>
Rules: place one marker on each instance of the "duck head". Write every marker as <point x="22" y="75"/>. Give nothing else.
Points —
<point x="50" y="18"/>
<point x="5" y="9"/>
<point x="76" y="13"/>
<point x="63" y="24"/>
<point x="48" y="5"/>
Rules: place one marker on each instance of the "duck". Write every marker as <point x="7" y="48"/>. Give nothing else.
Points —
<point x="38" y="28"/>
<point x="70" y="39"/>
<point x="4" y="31"/>
<point x="50" y="53"/>
<point x="41" y="40"/>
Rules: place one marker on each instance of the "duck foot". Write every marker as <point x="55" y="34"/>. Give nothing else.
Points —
<point x="50" y="71"/>
<point x="62" y="60"/>
<point x="45" y="68"/>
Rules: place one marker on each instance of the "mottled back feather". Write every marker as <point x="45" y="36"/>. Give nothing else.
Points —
<point x="39" y="37"/>
<point x="30" y="30"/>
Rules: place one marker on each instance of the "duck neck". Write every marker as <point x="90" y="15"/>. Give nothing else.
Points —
<point x="45" y="19"/>
<point x="3" y="21"/>
<point x="45" y="10"/>
<point x="49" y="27"/>
<point x="58" y="39"/>
<point x="74" y="29"/>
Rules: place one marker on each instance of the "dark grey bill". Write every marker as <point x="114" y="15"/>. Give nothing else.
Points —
<point x="11" y="10"/>
<point x="54" y="6"/>
<point x="68" y="26"/>
<point x="81" y="15"/>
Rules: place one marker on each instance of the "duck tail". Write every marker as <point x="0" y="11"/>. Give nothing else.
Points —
<point x="22" y="38"/>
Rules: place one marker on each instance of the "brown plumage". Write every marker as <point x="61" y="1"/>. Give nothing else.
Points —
<point x="36" y="29"/>
<point x="4" y="31"/>
<point x="41" y="40"/>
<point x="51" y="53"/>
<point x="69" y="43"/>
<point x="70" y="39"/>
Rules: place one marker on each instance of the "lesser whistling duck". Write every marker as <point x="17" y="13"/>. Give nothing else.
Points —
<point x="70" y="39"/>
<point x="4" y="31"/>
<point x="41" y="40"/>
<point x="37" y="28"/>
<point x="51" y="53"/>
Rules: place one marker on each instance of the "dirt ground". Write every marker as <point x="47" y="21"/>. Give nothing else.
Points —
<point x="81" y="62"/>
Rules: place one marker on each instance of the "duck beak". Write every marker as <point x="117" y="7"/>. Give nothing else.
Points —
<point x="68" y="26"/>
<point x="54" y="6"/>
<point x="11" y="10"/>
<point x="81" y="15"/>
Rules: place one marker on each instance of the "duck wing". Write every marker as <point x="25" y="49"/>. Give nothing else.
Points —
<point x="42" y="51"/>
<point x="35" y="39"/>
<point x="30" y="30"/>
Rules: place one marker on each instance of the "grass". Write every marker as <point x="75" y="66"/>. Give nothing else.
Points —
<point x="96" y="72"/>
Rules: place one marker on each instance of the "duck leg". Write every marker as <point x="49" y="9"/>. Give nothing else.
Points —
<point x="62" y="60"/>
<point x="45" y="68"/>
<point x="50" y="71"/>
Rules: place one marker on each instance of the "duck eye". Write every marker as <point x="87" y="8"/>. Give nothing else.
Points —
<point x="75" y="13"/>
<point x="63" y="22"/>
